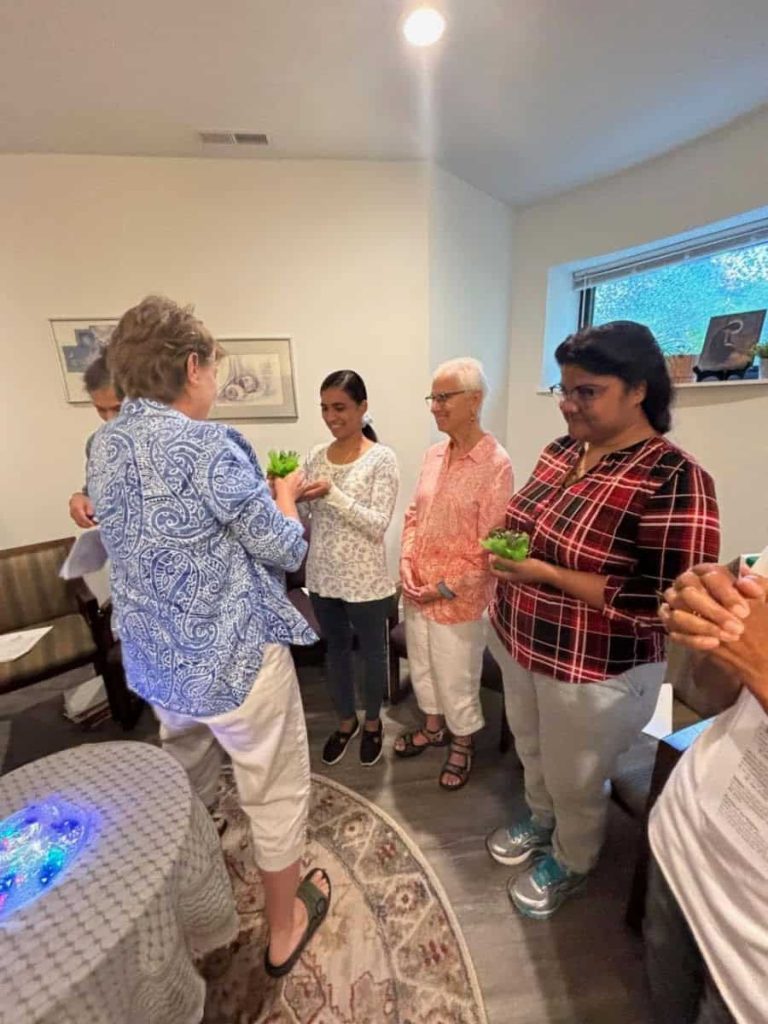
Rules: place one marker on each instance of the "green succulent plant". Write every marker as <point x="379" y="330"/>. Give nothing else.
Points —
<point x="282" y="463"/>
<point x="507" y="544"/>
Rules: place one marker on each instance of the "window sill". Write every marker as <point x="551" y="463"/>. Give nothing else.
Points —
<point x="699" y="385"/>
<point x="722" y="383"/>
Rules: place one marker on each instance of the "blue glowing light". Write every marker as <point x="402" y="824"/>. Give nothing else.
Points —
<point x="37" y="845"/>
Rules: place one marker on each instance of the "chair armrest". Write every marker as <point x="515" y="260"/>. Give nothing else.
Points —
<point x="669" y="751"/>
<point x="87" y="604"/>
<point x="394" y="613"/>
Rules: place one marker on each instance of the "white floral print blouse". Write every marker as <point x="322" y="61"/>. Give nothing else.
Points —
<point x="346" y="557"/>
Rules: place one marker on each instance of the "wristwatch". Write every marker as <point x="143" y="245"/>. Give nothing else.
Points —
<point x="445" y="591"/>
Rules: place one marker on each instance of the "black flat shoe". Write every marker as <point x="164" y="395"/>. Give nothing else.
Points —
<point x="371" y="746"/>
<point x="336" y="745"/>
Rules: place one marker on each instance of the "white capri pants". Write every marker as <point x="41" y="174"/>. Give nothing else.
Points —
<point x="266" y="738"/>
<point x="569" y="737"/>
<point x="446" y="661"/>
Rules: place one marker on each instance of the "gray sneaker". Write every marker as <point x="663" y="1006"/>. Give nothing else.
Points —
<point x="518" y="842"/>
<point x="544" y="887"/>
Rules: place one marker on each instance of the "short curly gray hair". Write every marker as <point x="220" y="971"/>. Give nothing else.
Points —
<point x="469" y="372"/>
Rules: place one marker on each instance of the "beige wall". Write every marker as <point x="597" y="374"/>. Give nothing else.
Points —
<point x="470" y="274"/>
<point x="719" y="177"/>
<point x="333" y="254"/>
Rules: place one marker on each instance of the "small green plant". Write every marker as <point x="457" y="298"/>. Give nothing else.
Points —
<point x="282" y="463"/>
<point x="761" y="350"/>
<point x="507" y="544"/>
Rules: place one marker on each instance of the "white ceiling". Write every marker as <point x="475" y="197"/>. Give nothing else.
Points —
<point x="522" y="98"/>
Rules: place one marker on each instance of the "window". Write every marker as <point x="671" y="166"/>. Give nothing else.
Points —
<point x="675" y="290"/>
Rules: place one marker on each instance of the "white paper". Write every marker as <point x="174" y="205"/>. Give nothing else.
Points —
<point x="87" y="555"/>
<point x="735" y="790"/>
<point x="661" y="722"/>
<point x="16" y="645"/>
<point x="82" y="699"/>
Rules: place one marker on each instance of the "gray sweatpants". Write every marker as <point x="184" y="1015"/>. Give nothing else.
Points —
<point x="568" y="737"/>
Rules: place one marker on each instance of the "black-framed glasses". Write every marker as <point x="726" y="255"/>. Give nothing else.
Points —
<point x="441" y="397"/>
<point x="582" y="394"/>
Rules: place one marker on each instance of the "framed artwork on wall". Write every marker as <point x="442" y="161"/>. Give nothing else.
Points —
<point x="78" y="342"/>
<point x="729" y="345"/>
<point x="255" y="380"/>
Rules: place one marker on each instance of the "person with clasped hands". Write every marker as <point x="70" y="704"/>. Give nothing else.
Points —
<point x="462" y="491"/>
<point x="706" y="924"/>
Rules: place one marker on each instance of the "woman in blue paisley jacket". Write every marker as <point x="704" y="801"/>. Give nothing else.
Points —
<point x="198" y="550"/>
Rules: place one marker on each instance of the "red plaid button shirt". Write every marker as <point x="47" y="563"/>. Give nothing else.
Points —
<point x="640" y="517"/>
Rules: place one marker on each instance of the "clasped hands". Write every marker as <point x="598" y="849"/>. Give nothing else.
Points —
<point x="709" y="610"/>
<point x="418" y="593"/>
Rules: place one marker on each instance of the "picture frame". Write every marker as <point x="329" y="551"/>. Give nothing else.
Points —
<point x="256" y="380"/>
<point x="78" y="342"/>
<point x="729" y="345"/>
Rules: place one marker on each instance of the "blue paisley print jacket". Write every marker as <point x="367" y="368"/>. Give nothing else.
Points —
<point x="198" y="550"/>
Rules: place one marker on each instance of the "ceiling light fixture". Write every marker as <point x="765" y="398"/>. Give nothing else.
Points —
<point x="424" y="26"/>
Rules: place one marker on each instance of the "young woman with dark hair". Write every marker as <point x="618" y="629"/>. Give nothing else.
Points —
<point x="97" y="381"/>
<point x="352" y="489"/>
<point x="614" y="512"/>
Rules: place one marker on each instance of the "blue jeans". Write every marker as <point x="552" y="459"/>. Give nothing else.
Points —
<point x="682" y="989"/>
<point x="339" y="620"/>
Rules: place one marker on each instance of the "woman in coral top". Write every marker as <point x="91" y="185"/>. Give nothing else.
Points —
<point x="462" y="493"/>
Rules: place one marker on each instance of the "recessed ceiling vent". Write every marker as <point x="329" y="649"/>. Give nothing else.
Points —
<point x="234" y="138"/>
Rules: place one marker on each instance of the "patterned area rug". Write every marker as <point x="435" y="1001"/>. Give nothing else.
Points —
<point x="390" y="951"/>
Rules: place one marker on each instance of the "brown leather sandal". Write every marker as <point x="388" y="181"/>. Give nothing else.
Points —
<point x="434" y="737"/>
<point x="459" y="771"/>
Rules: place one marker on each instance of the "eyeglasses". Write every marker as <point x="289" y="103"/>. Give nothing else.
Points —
<point x="442" y="396"/>
<point x="582" y="394"/>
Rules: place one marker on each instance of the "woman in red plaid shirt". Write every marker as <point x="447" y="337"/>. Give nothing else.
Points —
<point x="615" y="512"/>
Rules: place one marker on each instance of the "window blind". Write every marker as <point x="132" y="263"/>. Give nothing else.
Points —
<point x="693" y="249"/>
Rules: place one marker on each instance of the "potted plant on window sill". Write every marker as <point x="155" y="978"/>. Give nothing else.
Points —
<point x="680" y="359"/>
<point x="761" y="353"/>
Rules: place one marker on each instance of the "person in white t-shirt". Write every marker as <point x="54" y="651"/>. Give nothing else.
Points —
<point x="352" y="487"/>
<point x="706" y="924"/>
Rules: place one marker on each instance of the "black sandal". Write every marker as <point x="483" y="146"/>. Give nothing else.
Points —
<point x="317" y="904"/>
<point x="460" y="771"/>
<point x="435" y="738"/>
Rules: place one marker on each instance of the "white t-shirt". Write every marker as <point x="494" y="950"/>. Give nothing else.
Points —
<point x="346" y="557"/>
<point x="709" y="834"/>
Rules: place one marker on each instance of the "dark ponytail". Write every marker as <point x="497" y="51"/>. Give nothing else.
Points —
<point x="353" y="385"/>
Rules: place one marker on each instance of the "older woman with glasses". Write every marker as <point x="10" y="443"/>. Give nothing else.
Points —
<point x="614" y="513"/>
<point x="461" y="494"/>
<point x="198" y="549"/>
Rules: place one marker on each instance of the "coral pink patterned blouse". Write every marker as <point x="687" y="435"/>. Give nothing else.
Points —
<point x="457" y="503"/>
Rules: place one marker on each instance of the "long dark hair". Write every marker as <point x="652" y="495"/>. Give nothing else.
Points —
<point x="627" y="350"/>
<point x="353" y="385"/>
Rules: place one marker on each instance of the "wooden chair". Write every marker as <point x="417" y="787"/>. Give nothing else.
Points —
<point x="32" y="594"/>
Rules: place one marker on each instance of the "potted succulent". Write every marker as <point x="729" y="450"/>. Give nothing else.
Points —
<point x="761" y="353"/>
<point x="680" y="356"/>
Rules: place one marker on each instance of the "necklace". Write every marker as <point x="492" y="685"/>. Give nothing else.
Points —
<point x="580" y="469"/>
<point x="344" y="460"/>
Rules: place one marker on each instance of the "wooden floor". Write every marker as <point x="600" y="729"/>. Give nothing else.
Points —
<point x="582" y="967"/>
